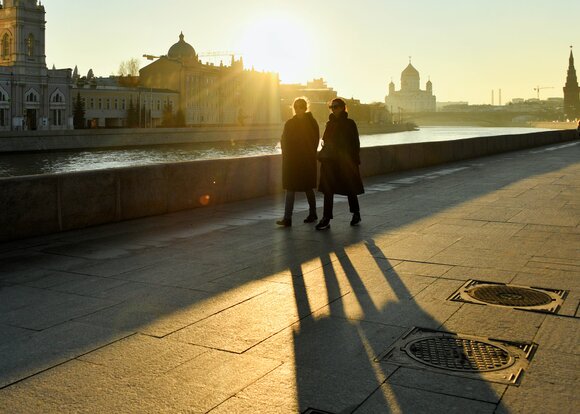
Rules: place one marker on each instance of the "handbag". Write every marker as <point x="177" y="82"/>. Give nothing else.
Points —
<point x="326" y="153"/>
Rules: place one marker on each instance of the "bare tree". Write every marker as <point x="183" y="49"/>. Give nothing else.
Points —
<point x="129" y="68"/>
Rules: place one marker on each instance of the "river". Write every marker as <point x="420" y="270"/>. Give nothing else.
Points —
<point x="19" y="164"/>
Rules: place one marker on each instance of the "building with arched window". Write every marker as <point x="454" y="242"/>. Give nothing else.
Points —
<point x="31" y="95"/>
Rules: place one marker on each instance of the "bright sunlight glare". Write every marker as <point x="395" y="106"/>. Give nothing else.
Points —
<point x="278" y="43"/>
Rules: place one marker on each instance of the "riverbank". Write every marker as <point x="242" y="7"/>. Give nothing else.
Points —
<point x="34" y="141"/>
<point x="29" y="141"/>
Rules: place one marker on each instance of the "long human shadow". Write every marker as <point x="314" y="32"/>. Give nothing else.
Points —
<point x="309" y="321"/>
<point x="335" y="348"/>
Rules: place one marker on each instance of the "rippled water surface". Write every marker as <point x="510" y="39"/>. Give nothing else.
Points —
<point x="19" y="164"/>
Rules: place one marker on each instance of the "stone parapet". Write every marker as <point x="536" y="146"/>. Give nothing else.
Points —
<point x="37" y="205"/>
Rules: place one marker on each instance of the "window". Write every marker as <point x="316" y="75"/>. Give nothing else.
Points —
<point x="123" y="104"/>
<point x="5" y="46"/>
<point x="30" y="45"/>
<point x="100" y="103"/>
<point x="92" y="103"/>
<point x="32" y="96"/>
<point x="57" y="97"/>
<point x="3" y="116"/>
<point x="108" y="104"/>
<point x="56" y="117"/>
<point x="116" y="105"/>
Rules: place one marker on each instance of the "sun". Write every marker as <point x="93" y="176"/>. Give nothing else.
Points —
<point x="278" y="43"/>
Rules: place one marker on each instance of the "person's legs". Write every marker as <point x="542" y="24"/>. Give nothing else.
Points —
<point x="354" y="209"/>
<point x="328" y="204"/>
<point x="288" y="208"/>
<point x="289" y="205"/>
<point x="312" y="216"/>
<point x="327" y="212"/>
<point x="353" y="204"/>
<point x="311" y="201"/>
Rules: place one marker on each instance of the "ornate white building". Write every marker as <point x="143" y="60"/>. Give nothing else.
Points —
<point x="410" y="98"/>
<point x="31" y="95"/>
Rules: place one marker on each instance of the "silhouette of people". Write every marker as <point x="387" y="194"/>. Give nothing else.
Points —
<point x="299" y="143"/>
<point x="578" y="131"/>
<point x="339" y="172"/>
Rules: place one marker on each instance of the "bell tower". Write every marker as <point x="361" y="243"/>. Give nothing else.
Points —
<point x="571" y="90"/>
<point x="22" y="34"/>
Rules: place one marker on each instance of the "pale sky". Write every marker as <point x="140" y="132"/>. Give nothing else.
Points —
<point x="467" y="48"/>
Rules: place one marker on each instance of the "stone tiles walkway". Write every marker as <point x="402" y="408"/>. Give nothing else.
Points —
<point x="218" y="310"/>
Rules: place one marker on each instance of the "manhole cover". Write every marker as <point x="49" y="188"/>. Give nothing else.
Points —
<point x="467" y="356"/>
<point x="519" y="297"/>
<point x="509" y="295"/>
<point x="459" y="354"/>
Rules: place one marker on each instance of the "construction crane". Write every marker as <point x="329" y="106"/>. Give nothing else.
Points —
<point x="213" y="54"/>
<point x="204" y="54"/>
<point x="538" y="88"/>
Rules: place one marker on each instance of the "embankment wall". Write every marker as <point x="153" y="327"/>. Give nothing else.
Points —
<point x="44" y="204"/>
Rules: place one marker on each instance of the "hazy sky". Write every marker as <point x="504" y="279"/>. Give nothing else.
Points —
<point x="466" y="47"/>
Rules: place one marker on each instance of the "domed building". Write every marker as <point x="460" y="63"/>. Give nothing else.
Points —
<point x="410" y="98"/>
<point x="214" y="95"/>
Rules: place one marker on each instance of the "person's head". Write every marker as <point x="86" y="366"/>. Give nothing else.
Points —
<point x="300" y="106"/>
<point x="337" y="106"/>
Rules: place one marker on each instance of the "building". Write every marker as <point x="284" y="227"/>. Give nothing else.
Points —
<point x="31" y="95"/>
<point x="214" y="95"/>
<point x="316" y="91"/>
<point x="571" y="91"/>
<point x="108" y="101"/>
<point x="410" y="98"/>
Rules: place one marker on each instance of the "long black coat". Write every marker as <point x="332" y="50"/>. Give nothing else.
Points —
<point x="341" y="175"/>
<point x="299" y="143"/>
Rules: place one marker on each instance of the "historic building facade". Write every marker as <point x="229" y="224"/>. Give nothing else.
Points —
<point x="410" y="98"/>
<point x="31" y="95"/>
<point x="571" y="91"/>
<point x="214" y="95"/>
<point x="108" y="101"/>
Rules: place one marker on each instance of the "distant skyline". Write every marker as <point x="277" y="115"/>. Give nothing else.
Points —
<point x="466" y="48"/>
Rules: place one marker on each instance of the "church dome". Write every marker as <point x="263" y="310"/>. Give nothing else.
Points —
<point x="410" y="71"/>
<point x="181" y="50"/>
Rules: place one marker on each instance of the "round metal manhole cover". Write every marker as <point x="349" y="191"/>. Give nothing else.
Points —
<point x="459" y="354"/>
<point x="509" y="295"/>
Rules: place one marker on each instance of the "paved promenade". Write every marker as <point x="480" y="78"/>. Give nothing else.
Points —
<point x="218" y="310"/>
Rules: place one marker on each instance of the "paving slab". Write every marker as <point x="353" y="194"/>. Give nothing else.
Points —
<point x="397" y="399"/>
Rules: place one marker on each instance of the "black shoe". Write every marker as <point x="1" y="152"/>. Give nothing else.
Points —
<point x="323" y="224"/>
<point x="355" y="219"/>
<point x="311" y="218"/>
<point x="284" y="222"/>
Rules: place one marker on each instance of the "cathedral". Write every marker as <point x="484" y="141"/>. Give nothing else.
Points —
<point x="410" y="98"/>
<point x="31" y="95"/>
<point x="571" y="91"/>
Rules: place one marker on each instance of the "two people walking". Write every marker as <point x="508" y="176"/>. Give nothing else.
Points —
<point x="340" y="160"/>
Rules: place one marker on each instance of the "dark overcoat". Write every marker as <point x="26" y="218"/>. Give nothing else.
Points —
<point x="340" y="174"/>
<point x="299" y="143"/>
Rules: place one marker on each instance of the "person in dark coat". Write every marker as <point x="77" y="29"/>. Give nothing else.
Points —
<point x="339" y="171"/>
<point x="299" y="143"/>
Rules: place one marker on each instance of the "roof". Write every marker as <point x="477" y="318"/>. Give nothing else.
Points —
<point x="181" y="50"/>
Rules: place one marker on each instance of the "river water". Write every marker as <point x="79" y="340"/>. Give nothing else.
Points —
<point x="19" y="164"/>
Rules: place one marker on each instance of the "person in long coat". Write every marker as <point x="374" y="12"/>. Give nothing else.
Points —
<point x="299" y="169"/>
<point x="339" y="171"/>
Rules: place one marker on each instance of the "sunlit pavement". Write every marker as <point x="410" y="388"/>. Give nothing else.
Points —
<point x="219" y="310"/>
